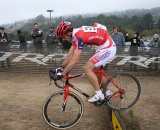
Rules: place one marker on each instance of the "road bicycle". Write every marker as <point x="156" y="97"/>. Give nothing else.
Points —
<point x="63" y="109"/>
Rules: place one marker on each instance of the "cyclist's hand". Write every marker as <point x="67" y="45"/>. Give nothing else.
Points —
<point x="56" y="74"/>
<point x="59" y="73"/>
<point x="59" y="70"/>
<point x="59" y="76"/>
<point x="3" y="40"/>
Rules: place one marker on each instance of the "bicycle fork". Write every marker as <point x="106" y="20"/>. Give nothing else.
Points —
<point x="66" y="92"/>
<point x="63" y="107"/>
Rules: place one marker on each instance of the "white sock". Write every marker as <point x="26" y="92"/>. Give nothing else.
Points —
<point x="99" y="93"/>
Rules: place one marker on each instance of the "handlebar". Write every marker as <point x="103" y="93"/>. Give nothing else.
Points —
<point x="53" y="73"/>
<point x="58" y="80"/>
<point x="53" y="77"/>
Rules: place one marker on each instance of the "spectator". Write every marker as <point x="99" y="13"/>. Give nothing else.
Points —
<point x="37" y="36"/>
<point x="23" y="44"/>
<point x="4" y="45"/>
<point x="142" y="46"/>
<point x="142" y="40"/>
<point x="50" y="40"/>
<point x="135" y="43"/>
<point x="155" y="49"/>
<point x="118" y="38"/>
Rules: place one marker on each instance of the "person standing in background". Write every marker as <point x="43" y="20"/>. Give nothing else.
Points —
<point x="50" y="40"/>
<point x="142" y="49"/>
<point x="4" y="45"/>
<point x="142" y="40"/>
<point x="118" y="38"/>
<point x="135" y="43"/>
<point x="37" y="36"/>
<point x="23" y="44"/>
<point x="155" y="49"/>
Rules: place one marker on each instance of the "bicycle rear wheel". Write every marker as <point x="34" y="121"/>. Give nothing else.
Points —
<point x="131" y="87"/>
<point x="52" y="110"/>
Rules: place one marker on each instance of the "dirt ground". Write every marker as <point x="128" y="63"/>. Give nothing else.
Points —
<point x="22" y="97"/>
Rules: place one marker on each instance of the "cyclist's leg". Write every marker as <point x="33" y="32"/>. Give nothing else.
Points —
<point x="102" y="56"/>
<point x="98" y="59"/>
<point x="104" y="78"/>
<point x="89" y="70"/>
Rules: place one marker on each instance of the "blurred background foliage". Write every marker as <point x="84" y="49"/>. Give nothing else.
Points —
<point x="145" y="23"/>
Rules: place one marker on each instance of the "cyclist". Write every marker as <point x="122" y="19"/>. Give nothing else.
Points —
<point x="87" y="35"/>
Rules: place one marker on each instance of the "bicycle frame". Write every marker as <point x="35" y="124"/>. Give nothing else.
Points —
<point x="119" y="92"/>
<point x="99" y="71"/>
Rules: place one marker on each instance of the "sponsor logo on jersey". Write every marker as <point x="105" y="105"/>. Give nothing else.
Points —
<point x="95" y="37"/>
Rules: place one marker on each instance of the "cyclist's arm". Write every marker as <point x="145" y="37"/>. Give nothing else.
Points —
<point x="74" y="60"/>
<point x="68" y="57"/>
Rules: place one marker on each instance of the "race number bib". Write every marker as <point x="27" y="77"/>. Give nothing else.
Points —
<point x="89" y="29"/>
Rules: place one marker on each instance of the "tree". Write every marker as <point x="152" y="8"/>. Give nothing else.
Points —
<point x="148" y="21"/>
<point x="40" y="19"/>
<point x="158" y="23"/>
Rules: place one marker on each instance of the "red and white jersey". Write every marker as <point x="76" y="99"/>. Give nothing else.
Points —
<point x="90" y="35"/>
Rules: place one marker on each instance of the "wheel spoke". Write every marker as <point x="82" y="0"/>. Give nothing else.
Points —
<point x="55" y="117"/>
<point x="130" y="85"/>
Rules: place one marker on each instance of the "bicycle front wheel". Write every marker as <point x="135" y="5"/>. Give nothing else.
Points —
<point x="55" y="117"/>
<point x="130" y="85"/>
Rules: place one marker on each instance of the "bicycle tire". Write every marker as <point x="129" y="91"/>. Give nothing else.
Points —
<point x="62" y="120"/>
<point x="123" y="78"/>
